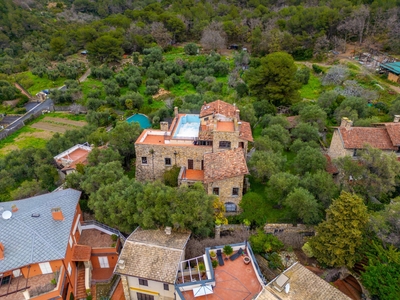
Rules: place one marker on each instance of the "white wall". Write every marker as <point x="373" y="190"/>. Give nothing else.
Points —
<point x="153" y="287"/>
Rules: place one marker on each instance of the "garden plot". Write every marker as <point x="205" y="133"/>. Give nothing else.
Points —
<point x="57" y="124"/>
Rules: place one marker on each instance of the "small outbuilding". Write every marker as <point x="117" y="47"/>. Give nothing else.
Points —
<point x="393" y="71"/>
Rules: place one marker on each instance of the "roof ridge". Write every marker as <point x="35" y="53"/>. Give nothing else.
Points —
<point x="34" y="232"/>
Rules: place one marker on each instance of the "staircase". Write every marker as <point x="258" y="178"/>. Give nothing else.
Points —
<point x="80" y="284"/>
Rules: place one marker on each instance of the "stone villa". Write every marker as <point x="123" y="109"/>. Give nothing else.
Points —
<point x="209" y="147"/>
<point x="347" y="140"/>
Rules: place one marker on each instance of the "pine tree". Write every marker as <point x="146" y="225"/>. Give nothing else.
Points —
<point x="341" y="234"/>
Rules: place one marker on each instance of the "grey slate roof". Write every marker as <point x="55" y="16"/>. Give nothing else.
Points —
<point x="27" y="239"/>
<point x="152" y="254"/>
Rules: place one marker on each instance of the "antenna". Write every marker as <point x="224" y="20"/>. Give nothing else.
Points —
<point x="6" y="214"/>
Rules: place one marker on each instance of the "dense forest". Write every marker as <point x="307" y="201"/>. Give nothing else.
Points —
<point x="280" y="63"/>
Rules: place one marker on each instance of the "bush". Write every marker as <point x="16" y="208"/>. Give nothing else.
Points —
<point x="272" y="243"/>
<point x="191" y="49"/>
<point x="171" y="176"/>
<point x="228" y="250"/>
<point x="307" y="250"/>
<point x="317" y="69"/>
<point x="275" y="261"/>
<point x="114" y="237"/>
<point x="214" y="263"/>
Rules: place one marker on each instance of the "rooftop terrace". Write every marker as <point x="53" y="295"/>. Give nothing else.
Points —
<point x="233" y="280"/>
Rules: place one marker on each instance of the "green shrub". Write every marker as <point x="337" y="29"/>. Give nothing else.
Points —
<point x="307" y="250"/>
<point x="171" y="176"/>
<point x="228" y="250"/>
<point x="272" y="243"/>
<point x="317" y="69"/>
<point x="114" y="237"/>
<point x="214" y="264"/>
<point x="275" y="261"/>
<point x="191" y="49"/>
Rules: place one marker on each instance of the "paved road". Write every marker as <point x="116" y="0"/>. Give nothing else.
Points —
<point x="39" y="107"/>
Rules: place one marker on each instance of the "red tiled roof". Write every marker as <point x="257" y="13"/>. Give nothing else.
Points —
<point x="224" y="164"/>
<point x="330" y="167"/>
<point x="225" y="126"/>
<point x="393" y="130"/>
<point x="219" y="107"/>
<point x="81" y="253"/>
<point x="357" y="137"/>
<point x="245" y="131"/>
<point x="197" y="175"/>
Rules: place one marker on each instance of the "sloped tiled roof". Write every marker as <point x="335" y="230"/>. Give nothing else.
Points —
<point x="152" y="254"/>
<point x="393" y="130"/>
<point x="245" y="131"/>
<point x="224" y="164"/>
<point x="28" y="239"/>
<point x="81" y="253"/>
<point x="304" y="284"/>
<point x="219" y="107"/>
<point x="357" y="137"/>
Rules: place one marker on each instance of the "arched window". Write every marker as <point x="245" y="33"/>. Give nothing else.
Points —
<point x="230" y="207"/>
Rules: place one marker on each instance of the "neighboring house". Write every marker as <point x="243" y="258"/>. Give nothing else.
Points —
<point x="299" y="283"/>
<point x="67" y="160"/>
<point x="209" y="147"/>
<point x="393" y="71"/>
<point x="153" y="266"/>
<point x="48" y="252"/>
<point x="347" y="140"/>
<point x="148" y="264"/>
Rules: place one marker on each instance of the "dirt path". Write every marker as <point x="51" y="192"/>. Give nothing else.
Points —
<point x="85" y="76"/>
<point x="22" y="90"/>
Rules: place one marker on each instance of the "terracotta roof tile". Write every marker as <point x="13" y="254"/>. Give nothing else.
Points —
<point x="393" y="130"/>
<point x="219" y="107"/>
<point x="245" y="131"/>
<point x="330" y="167"/>
<point x="304" y="284"/>
<point x="216" y="166"/>
<point x="81" y="253"/>
<point x="357" y="137"/>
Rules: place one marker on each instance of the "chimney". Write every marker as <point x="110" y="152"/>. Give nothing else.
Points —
<point x="396" y="118"/>
<point x="238" y="114"/>
<point x="168" y="230"/>
<point x="121" y="264"/>
<point x="164" y="126"/>
<point x="346" y="123"/>
<point x="14" y="208"/>
<point x="57" y="214"/>
<point x="1" y="251"/>
<point x="176" y="112"/>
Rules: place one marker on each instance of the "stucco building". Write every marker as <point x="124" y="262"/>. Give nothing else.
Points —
<point x="209" y="147"/>
<point x="347" y="139"/>
<point x="47" y="251"/>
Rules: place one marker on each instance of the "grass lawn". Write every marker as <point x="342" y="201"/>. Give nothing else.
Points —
<point x="24" y="138"/>
<point x="273" y="215"/>
<point x="183" y="88"/>
<point x="312" y="89"/>
<point x="91" y="84"/>
<point x="43" y="83"/>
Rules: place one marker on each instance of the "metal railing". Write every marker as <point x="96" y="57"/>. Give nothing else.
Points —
<point x="108" y="228"/>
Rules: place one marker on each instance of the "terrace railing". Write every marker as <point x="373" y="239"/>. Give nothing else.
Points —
<point x="108" y="228"/>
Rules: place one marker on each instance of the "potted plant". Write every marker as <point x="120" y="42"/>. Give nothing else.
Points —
<point x="228" y="250"/>
<point x="246" y="260"/>
<point x="215" y="264"/>
<point x="213" y="255"/>
<point x="202" y="268"/>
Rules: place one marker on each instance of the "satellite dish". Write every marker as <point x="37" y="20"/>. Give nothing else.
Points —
<point x="287" y="288"/>
<point x="6" y="214"/>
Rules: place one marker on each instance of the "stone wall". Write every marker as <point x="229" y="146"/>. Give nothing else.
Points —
<point x="225" y="189"/>
<point x="336" y="148"/>
<point x="218" y="136"/>
<point x="155" y="167"/>
<point x="288" y="228"/>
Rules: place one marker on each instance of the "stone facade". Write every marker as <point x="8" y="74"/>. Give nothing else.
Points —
<point x="337" y="148"/>
<point x="220" y="129"/>
<point x="226" y="192"/>
<point x="156" y="155"/>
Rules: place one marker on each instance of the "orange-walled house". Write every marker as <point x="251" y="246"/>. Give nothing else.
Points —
<point x="48" y="252"/>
